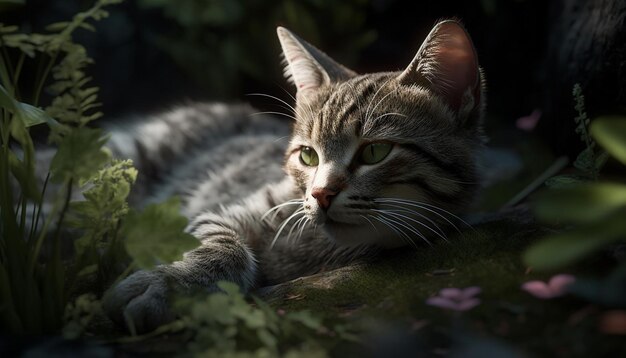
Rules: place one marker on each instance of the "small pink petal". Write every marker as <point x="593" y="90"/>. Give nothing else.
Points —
<point x="452" y="292"/>
<point x="441" y="302"/>
<point x="538" y="289"/>
<point x="468" y="304"/>
<point x="558" y="284"/>
<point x="529" y="122"/>
<point x="470" y="292"/>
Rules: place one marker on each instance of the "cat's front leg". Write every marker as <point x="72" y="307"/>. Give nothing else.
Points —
<point x="143" y="297"/>
<point x="225" y="254"/>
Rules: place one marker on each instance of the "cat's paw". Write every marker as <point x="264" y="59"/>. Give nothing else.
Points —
<point x="139" y="300"/>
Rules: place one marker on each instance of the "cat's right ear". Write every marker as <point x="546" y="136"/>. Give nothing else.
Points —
<point x="447" y="63"/>
<point x="306" y="66"/>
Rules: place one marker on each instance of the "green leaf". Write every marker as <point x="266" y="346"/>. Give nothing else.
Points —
<point x="25" y="176"/>
<point x="601" y="160"/>
<point x="565" y="181"/>
<point x="31" y="116"/>
<point x="28" y="114"/>
<point x="8" y="29"/>
<point x="155" y="236"/>
<point x="610" y="132"/>
<point x="559" y="250"/>
<point x="80" y="155"/>
<point x="105" y="203"/>
<point x="585" y="161"/>
<point x="268" y="339"/>
<point x="57" y="26"/>
<point x="305" y="318"/>
<point x="230" y="288"/>
<point x="583" y="203"/>
<point x="88" y="270"/>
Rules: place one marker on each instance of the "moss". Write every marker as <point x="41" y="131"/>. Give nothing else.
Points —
<point x="395" y="287"/>
<point x="488" y="256"/>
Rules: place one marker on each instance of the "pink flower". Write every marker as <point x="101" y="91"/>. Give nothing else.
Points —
<point x="456" y="299"/>
<point x="556" y="287"/>
<point x="529" y="122"/>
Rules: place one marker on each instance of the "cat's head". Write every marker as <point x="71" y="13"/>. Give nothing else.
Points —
<point x="383" y="158"/>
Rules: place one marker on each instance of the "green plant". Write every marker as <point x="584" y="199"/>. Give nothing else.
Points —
<point x="591" y="160"/>
<point x="224" y="323"/>
<point x="38" y="277"/>
<point x="597" y="209"/>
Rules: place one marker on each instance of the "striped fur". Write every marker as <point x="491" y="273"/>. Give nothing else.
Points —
<point x="259" y="226"/>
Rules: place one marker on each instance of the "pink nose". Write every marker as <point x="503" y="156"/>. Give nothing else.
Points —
<point x="323" y="196"/>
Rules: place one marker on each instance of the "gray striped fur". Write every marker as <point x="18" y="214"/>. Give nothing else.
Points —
<point x="259" y="226"/>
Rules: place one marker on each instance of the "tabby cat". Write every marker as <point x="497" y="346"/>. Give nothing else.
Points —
<point x="373" y="161"/>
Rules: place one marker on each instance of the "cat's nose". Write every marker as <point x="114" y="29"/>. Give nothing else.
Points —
<point x="323" y="196"/>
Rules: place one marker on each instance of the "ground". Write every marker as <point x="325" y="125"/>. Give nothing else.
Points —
<point x="386" y="300"/>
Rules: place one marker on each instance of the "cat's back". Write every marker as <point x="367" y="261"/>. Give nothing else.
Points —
<point x="209" y="154"/>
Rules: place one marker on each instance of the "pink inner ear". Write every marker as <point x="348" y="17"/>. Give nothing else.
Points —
<point x="457" y="64"/>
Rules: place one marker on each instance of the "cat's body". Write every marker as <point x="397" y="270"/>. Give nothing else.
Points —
<point x="377" y="160"/>
<point x="201" y="152"/>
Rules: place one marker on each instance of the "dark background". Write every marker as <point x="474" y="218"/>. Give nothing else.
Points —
<point x="153" y="54"/>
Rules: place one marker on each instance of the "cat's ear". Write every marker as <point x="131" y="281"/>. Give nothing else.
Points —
<point x="447" y="63"/>
<point x="306" y="66"/>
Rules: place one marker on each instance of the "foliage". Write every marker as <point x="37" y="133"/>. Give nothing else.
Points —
<point x="610" y="132"/>
<point x="224" y="324"/>
<point x="598" y="209"/>
<point x="79" y="156"/>
<point x="234" y="35"/>
<point x="33" y="275"/>
<point x="156" y="235"/>
<point x="37" y="278"/>
<point x="591" y="160"/>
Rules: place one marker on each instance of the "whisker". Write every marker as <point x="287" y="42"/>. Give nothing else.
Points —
<point x="381" y="100"/>
<point x="281" y="138"/>
<point x="439" y="208"/>
<point x="390" y="114"/>
<point x="287" y="92"/>
<point x="408" y="227"/>
<point x="306" y="102"/>
<point x="367" y="110"/>
<point x="421" y="207"/>
<point x="404" y="209"/>
<point x="276" y="113"/>
<point x="369" y="221"/>
<point x="394" y="213"/>
<point x="401" y="234"/>
<point x="273" y="97"/>
<point x="303" y="227"/>
<point x="279" y="206"/>
<point x="282" y="227"/>
<point x="295" y="225"/>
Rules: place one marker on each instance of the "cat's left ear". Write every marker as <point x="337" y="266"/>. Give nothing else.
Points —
<point x="307" y="67"/>
<point x="447" y="63"/>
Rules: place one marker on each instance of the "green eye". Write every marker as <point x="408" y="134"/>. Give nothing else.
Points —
<point x="375" y="152"/>
<point x="308" y="157"/>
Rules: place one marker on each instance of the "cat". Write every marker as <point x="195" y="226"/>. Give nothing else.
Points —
<point x="374" y="161"/>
